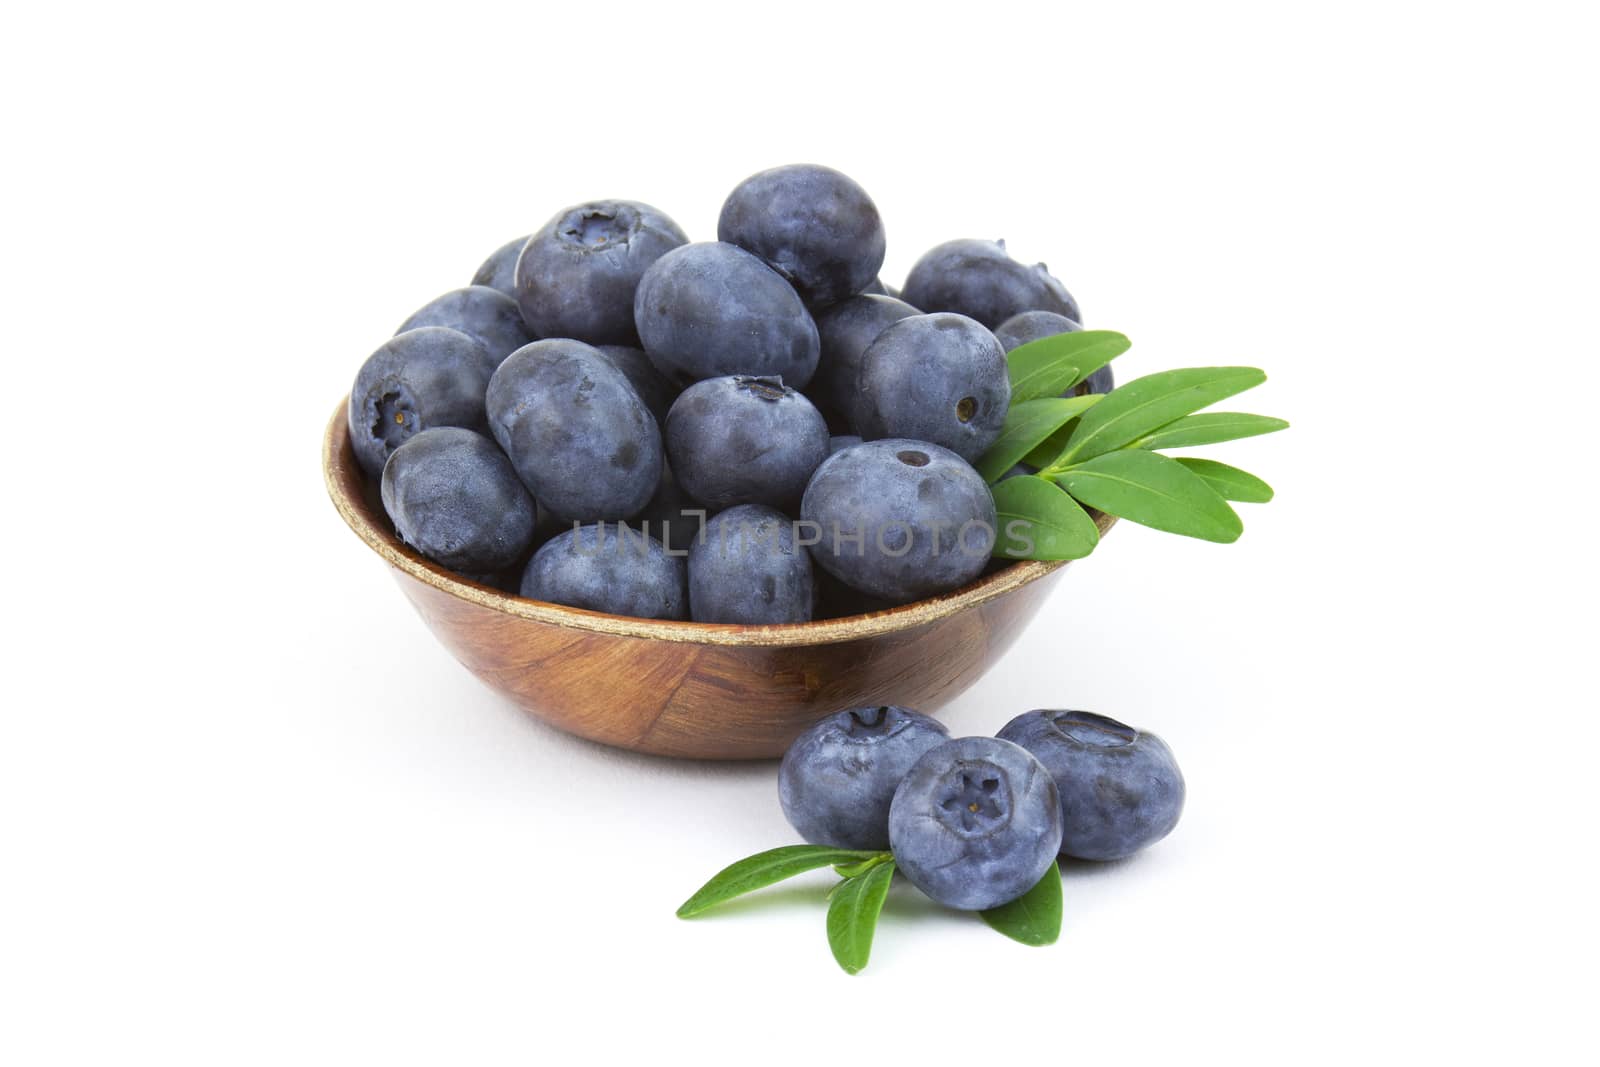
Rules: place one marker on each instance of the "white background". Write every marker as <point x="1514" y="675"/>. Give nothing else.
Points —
<point x="252" y="813"/>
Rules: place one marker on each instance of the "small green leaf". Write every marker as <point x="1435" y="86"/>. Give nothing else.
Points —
<point x="1052" y="365"/>
<point x="1153" y="490"/>
<point x="1035" y="917"/>
<point x="1130" y="411"/>
<point x="1231" y="483"/>
<point x="1026" y="425"/>
<point x="763" y="869"/>
<point x="1209" y="428"/>
<point x="1046" y="517"/>
<point x="853" y="916"/>
<point x="855" y="870"/>
<point x="1053" y="446"/>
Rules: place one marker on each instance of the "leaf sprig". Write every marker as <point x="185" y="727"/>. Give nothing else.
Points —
<point x="855" y="902"/>
<point x="1103" y="451"/>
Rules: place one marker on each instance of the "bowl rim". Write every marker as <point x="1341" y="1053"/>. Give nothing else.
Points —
<point x="341" y="472"/>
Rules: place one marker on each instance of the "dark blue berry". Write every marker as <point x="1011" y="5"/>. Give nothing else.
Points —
<point x="838" y="778"/>
<point x="811" y="224"/>
<point x="431" y="376"/>
<point x="744" y="440"/>
<point x="1120" y="788"/>
<point x="576" y="431"/>
<point x="749" y="568"/>
<point x="712" y="309"/>
<point x="453" y="497"/>
<point x="940" y="378"/>
<point x="577" y="274"/>
<point x="477" y="311"/>
<point x="979" y="279"/>
<point x="975" y="823"/>
<point x="608" y="567"/>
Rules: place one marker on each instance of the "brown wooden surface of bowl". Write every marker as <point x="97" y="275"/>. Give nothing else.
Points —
<point x="695" y="689"/>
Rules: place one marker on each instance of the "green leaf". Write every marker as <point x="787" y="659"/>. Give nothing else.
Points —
<point x="1053" y="446"/>
<point x="1035" y="917"/>
<point x="855" y="870"/>
<point x="853" y="916"/>
<point x="1130" y="411"/>
<point x="1026" y="425"/>
<point x="1057" y="526"/>
<point x="1052" y="365"/>
<point x="1154" y="490"/>
<point x="763" y="869"/>
<point x="1208" y="428"/>
<point x="1230" y="483"/>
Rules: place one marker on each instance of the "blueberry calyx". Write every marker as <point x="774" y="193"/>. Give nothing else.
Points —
<point x="593" y="228"/>
<point x="1097" y="731"/>
<point x="764" y="387"/>
<point x="972" y="802"/>
<point x="912" y="458"/>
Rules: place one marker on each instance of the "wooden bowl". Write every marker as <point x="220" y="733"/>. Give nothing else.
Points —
<point x="694" y="689"/>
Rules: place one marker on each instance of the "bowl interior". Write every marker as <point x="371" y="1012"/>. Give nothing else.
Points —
<point x="357" y="503"/>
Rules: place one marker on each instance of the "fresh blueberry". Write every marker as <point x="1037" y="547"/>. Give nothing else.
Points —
<point x="744" y="440"/>
<point x="900" y="520"/>
<point x="672" y="516"/>
<point x="811" y="224"/>
<point x="711" y="309"/>
<point x="577" y="433"/>
<point x="838" y="778"/>
<point x="477" y="311"/>
<point x="749" y="568"/>
<point x="979" y="279"/>
<point x="975" y="823"/>
<point x="453" y="497"/>
<point x="1018" y="330"/>
<point x="846" y="329"/>
<point x="608" y="567"/>
<point x="430" y="376"/>
<point x="939" y="378"/>
<point x="499" y="271"/>
<point x="577" y="274"/>
<point x="1120" y="788"/>
<point x="656" y="392"/>
<point x="880" y="288"/>
<point x="840" y="442"/>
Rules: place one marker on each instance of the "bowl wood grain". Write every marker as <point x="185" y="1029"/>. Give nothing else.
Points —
<point x="694" y="689"/>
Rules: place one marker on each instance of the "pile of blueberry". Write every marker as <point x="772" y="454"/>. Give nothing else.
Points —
<point x="975" y="822"/>
<point x="614" y="418"/>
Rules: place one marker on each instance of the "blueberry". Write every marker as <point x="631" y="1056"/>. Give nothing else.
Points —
<point x="499" y="271"/>
<point x="975" y="823"/>
<point x="711" y="309"/>
<point x="838" y="778"/>
<point x="840" y="442"/>
<point x="1018" y="330"/>
<point x="744" y="440"/>
<point x="846" y="329"/>
<point x="939" y="378"/>
<point x="656" y="392"/>
<point x="880" y="288"/>
<point x="1120" y="788"/>
<point x="979" y="279"/>
<point x="477" y="311"/>
<point x="900" y="520"/>
<point x="672" y="516"/>
<point x="430" y="376"/>
<point x="811" y="224"/>
<point x="611" y="568"/>
<point x="577" y="275"/>
<point x="749" y="568"/>
<point x="453" y="497"/>
<point x="577" y="433"/>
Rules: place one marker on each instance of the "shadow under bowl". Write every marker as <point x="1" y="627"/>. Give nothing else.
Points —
<point x="695" y="690"/>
